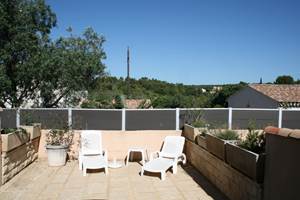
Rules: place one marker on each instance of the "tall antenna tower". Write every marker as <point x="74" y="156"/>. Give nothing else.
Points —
<point x="128" y="62"/>
<point x="128" y="73"/>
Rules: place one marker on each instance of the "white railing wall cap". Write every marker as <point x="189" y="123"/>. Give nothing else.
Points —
<point x="96" y="109"/>
<point x="44" y="108"/>
<point x="150" y="109"/>
<point x="255" y="109"/>
<point x="203" y="108"/>
<point x="291" y="109"/>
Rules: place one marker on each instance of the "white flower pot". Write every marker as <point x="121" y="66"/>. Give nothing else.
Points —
<point x="57" y="155"/>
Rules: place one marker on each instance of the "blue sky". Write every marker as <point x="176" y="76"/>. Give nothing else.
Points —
<point x="191" y="41"/>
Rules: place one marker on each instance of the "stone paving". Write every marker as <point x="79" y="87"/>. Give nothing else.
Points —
<point x="38" y="181"/>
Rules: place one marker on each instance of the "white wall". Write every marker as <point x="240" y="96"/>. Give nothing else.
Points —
<point x="250" y="98"/>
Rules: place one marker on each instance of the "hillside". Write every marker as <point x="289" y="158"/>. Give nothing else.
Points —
<point x="110" y="92"/>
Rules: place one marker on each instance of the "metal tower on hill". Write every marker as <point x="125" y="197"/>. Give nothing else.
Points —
<point x="128" y="73"/>
<point x="128" y="63"/>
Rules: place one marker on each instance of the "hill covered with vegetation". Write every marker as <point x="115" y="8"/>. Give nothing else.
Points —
<point x="110" y="92"/>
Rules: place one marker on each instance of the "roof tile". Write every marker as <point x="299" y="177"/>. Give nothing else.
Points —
<point x="280" y="93"/>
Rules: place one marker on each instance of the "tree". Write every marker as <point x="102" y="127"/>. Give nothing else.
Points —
<point x="284" y="79"/>
<point x="118" y="102"/>
<point x="24" y="29"/>
<point x="220" y="100"/>
<point x="72" y="65"/>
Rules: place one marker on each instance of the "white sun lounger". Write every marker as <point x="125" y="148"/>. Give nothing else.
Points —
<point x="91" y="154"/>
<point x="168" y="157"/>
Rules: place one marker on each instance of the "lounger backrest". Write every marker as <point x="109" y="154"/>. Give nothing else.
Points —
<point x="91" y="141"/>
<point x="173" y="145"/>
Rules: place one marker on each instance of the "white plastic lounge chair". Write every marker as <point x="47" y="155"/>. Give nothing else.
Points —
<point x="168" y="157"/>
<point x="91" y="154"/>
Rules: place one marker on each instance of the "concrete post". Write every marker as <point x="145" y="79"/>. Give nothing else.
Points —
<point x="18" y="118"/>
<point x="123" y="119"/>
<point x="70" y="117"/>
<point x="229" y="118"/>
<point x="279" y="117"/>
<point x="177" y="118"/>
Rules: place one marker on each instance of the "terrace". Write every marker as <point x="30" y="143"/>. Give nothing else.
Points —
<point x="26" y="175"/>
<point x="38" y="181"/>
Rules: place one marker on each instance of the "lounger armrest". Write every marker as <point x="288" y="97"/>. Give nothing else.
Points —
<point x="168" y="155"/>
<point x="153" y="153"/>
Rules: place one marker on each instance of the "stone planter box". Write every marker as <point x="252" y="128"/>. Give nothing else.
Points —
<point x="217" y="146"/>
<point x="18" y="151"/>
<point x="247" y="162"/>
<point x="201" y="141"/>
<point x="191" y="132"/>
<point x="13" y="140"/>
<point x="34" y="130"/>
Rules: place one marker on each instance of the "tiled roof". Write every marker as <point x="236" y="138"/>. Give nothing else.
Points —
<point x="280" y="93"/>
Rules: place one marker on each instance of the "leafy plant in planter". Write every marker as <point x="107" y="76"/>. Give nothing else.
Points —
<point x="255" y="142"/>
<point x="248" y="156"/>
<point x="195" y="126"/>
<point x="216" y="142"/>
<point x="227" y="135"/>
<point x="8" y="130"/>
<point x="57" y="145"/>
<point x="11" y="130"/>
<point x="202" y="129"/>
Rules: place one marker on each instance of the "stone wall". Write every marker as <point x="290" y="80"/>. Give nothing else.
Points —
<point x="15" y="160"/>
<point x="282" y="174"/>
<point x="232" y="183"/>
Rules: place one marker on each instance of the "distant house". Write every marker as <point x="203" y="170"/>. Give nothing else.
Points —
<point x="137" y="103"/>
<point x="266" y="96"/>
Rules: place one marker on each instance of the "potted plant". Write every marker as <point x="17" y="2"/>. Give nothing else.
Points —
<point x="57" y="145"/>
<point x="248" y="156"/>
<point x="216" y="141"/>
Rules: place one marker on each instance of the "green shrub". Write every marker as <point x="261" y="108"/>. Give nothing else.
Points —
<point x="227" y="135"/>
<point x="199" y="124"/>
<point x="10" y="130"/>
<point x="254" y="142"/>
<point x="203" y="132"/>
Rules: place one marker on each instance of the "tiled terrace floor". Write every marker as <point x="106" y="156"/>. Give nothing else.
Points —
<point x="38" y="181"/>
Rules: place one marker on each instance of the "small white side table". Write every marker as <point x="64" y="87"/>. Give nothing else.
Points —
<point x="131" y="150"/>
<point x="114" y="164"/>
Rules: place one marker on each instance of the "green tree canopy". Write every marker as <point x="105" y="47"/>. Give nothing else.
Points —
<point x="284" y="79"/>
<point x="24" y="29"/>
<point x="220" y="99"/>
<point x="71" y="66"/>
<point x="32" y="67"/>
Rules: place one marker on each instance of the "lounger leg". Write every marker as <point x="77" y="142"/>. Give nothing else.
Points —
<point x="127" y="159"/>
<point x="80" y="162"/>
<point x="106" y="171"/>
<point x="184" y="159"/>
<point x="84" y="171"/>
<point x="142" y="172"/>
<point x="143" y="158"/>
<point x="163" y="175"/>
<point x="174" y="168"/>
